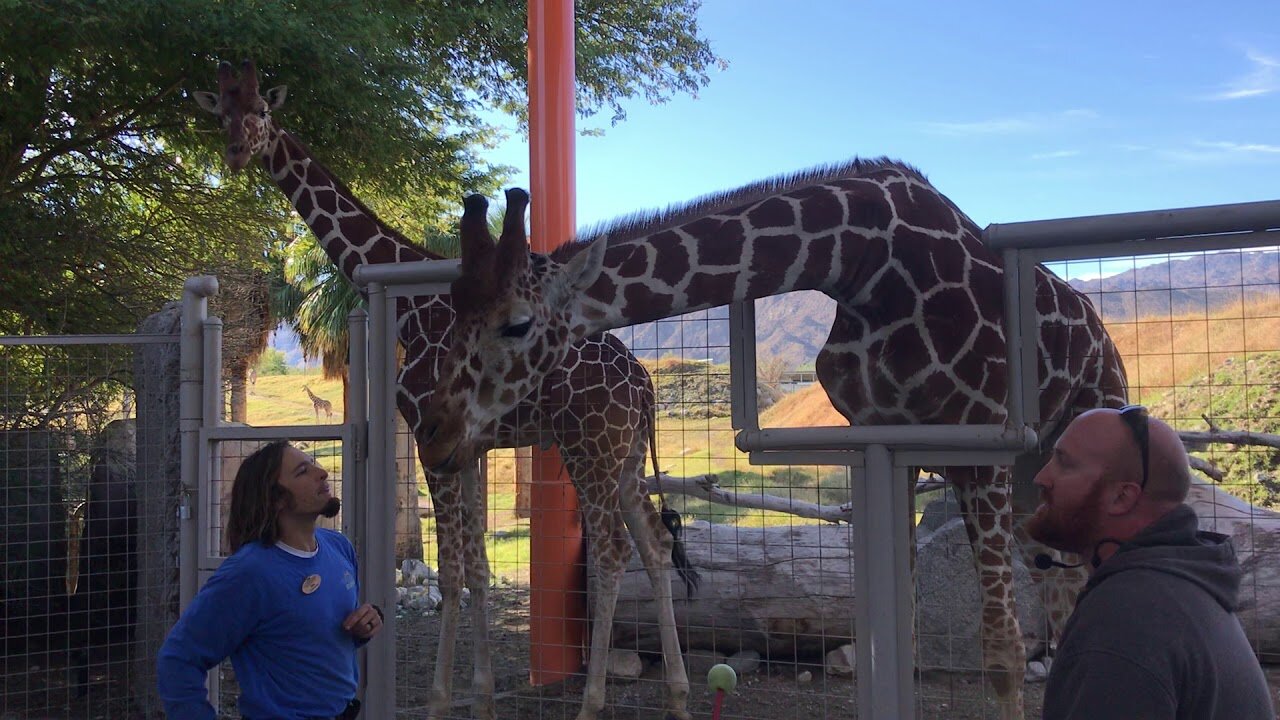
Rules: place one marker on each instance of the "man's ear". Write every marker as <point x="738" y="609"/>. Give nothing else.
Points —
<point x="207" y="101"/>
<point x="275" y="96"/>
<point x="1125" y="498"/>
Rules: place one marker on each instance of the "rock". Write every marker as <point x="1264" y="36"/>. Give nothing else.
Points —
<point x="421" y="599"/>
<point x="624" y="664"/>
<point x="699" y="662"/>
<point x="841" y="661"/>
<point x="949" y="602"/>
<point x="744" y="662"/>
<point x="415" y="572"/>
<point x="937" y="513"/>
<point x="804" y="677"/>
<point x="1036" y="672"/>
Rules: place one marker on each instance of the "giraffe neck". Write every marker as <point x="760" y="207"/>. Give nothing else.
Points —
<point x="837" y="236"/>
<point x="347" y="230"/>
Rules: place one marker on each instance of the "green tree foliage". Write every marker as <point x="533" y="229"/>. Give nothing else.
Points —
<point x="272" y="362"/>
<point x="111" y="186"/>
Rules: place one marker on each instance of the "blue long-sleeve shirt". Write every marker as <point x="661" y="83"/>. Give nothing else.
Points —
<point x="293" y="660"/>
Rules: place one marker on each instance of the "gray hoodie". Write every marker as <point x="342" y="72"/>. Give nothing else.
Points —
<point x="1153" y="634"/>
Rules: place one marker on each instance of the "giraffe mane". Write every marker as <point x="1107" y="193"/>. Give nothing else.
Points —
<point x="635" y="225"/>
<point x="342" y="187"/>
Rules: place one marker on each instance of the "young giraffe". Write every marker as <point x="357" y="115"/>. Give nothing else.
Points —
<point x="597" y="404"/>
<point x="917" y="336"/>
<point x="318" y="403"/>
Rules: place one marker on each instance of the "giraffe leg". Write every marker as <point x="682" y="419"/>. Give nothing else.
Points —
<point x="1058" y="587"/>
<point x="984" y="501"/>
<point x="654" y="542"/>
<point x="610" y="549"/>
<point x="477" y="569"/>
<point x="447" y="500"/>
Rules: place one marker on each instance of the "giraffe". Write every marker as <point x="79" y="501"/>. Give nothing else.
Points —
<point x="917" y="336"/>
<point x="319" y="403"/>
<point x="597" y="405"/>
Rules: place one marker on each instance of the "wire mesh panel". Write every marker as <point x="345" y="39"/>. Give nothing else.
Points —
<point x="772" y="543"/>
<point x="1200" y="337"/>
<point x="73" y="570"/>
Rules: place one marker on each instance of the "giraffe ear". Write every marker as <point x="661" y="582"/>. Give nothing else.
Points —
<point x="275" y="96"/>
<point x="583" y="268"/>
<point x="207" y="102"/>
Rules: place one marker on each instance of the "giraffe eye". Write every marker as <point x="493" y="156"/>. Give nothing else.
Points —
<point x="262" y="113"/>
<point x="517" y="330"/>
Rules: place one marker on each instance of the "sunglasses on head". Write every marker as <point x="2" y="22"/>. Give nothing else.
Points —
<point x="1135" y="416"/>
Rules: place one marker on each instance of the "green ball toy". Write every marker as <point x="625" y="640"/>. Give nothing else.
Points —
<point x="722" y="677"/>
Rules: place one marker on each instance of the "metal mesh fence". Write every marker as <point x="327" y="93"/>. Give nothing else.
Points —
<point x="776" y="601"/>
<point x="73" y="571"/>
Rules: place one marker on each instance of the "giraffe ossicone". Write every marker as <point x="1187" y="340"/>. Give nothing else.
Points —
<point x="598" y="408"/>
<point x="917" y="336"/>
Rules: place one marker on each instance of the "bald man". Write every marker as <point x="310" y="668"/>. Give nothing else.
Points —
<point x="1153" y="634"/>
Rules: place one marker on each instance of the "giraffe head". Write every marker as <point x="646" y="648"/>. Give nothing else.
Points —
<point x="513" y="325"/>
<point x="245" y="114"/>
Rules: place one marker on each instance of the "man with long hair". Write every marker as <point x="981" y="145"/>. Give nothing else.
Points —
<point x="284" y="607"/>
<point x="1154" y="634"/>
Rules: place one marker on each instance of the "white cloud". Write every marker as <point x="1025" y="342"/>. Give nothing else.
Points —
<point x="1222" y="151"/>
<point x="1015" y="124"/>
<point x="1242" y="148"/>
<point x="1262" y="79"/>
<point x="1056" y="154"/>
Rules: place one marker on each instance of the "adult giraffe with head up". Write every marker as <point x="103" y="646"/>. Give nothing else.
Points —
<point x="917" y="336"/>
<point x="596" y="404"/>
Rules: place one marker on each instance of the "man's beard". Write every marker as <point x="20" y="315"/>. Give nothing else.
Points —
<point x="331" y="508"/>
<point x="1068" y="530"/>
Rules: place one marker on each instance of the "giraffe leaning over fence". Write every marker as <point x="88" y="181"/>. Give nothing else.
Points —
<point x="319" y="404"/>
<point x="917" y="336"/>
<point x="596" y="404"/>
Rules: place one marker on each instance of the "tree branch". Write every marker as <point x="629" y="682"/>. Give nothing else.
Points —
<point x="1231" y="437"/>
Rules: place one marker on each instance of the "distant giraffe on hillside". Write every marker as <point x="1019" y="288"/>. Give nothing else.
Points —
<point x="319" y="403"/>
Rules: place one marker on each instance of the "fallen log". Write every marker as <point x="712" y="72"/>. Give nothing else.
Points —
<point x="788" y="591"/>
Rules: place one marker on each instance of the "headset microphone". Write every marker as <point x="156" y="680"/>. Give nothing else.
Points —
<point x="1044" y="562"/>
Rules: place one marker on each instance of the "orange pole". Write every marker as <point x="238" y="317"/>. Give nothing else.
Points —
<point x="557" y="581"/>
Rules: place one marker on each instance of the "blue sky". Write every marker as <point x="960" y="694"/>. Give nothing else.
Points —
<point x="1016" y="111"/>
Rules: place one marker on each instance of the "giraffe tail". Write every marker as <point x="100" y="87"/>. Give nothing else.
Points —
<point x="671" y="519"/>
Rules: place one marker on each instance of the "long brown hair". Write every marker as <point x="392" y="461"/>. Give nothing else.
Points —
<point x="255" y="497"/>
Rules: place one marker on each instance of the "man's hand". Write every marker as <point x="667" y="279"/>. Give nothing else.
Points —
<point x="364" y="622"/>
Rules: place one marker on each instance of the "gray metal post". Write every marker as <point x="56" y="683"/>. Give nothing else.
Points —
<point x="380" y="689"/>
<point x="971" y="437"/>
<point x="1211" y="219"/>
<point x="882" y="586"/>
<point x="355" y="455"/>
<point x="743" y="408"/>
<point x="214" y="412"/>
<point x="195" y="292"/>
<point x="211" y="416"/>
<point x="1013" y="339"/>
